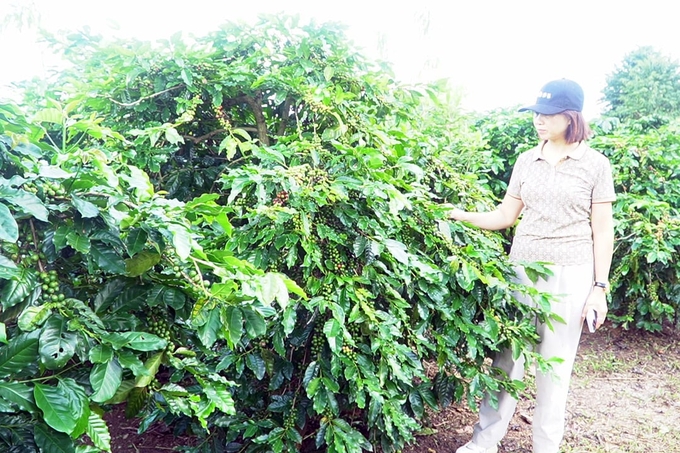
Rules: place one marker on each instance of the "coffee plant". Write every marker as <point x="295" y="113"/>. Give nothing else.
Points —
<point x="243" y="237"/>
<point x="646" y="272"/>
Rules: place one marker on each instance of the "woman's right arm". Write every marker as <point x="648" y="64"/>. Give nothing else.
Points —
<point x="502" y="217"/>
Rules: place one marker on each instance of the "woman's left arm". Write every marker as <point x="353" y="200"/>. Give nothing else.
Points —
<point x="602" y="224"/>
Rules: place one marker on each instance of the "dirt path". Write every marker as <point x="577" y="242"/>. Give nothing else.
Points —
<point x="625" y="397"/>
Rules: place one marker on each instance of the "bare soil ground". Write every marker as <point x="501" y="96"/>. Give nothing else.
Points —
<point x="625" y="397"/>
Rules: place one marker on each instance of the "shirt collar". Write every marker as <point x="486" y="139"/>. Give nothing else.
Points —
<point x="575" y="153"/>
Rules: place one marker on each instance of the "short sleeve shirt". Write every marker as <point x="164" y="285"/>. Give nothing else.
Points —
<point x="555" y="223"/>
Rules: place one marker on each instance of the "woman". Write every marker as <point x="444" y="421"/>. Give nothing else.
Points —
<point x="564" y="191"/>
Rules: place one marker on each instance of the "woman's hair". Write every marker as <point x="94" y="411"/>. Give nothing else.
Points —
<point x="578" y="129"/>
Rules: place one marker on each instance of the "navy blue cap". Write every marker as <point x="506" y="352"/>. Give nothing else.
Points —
<point x="556" y="97"/>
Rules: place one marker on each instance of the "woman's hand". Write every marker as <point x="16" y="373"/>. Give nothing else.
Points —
<point x="457" y="214"/>
<point x="504" y="216"/>
<point x="597" y="301"/>
<point x="454" y="213"/>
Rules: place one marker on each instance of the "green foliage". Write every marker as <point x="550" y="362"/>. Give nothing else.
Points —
<point x="645" y="90"/>
<point x="89" y="249"/>
<point x="244" y="237"/>
<point x="506" y="134"/>
<point x="645" y="268"/>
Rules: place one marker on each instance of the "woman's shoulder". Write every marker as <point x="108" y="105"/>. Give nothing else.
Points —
<point x="529" y="154"/>
<point x="595" y="155"/>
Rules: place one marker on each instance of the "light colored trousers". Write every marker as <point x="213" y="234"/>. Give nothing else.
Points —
<point x="572" y="284"/>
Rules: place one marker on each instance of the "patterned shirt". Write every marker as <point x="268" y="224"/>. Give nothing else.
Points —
<point x="555" y="224"/>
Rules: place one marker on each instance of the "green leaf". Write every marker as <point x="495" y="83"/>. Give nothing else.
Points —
<point x="30" y="204"/>
<point x="3" y="333"/>
<point x="79" y="242"/>
<point x="19" y="288"/>
<point x="143" y="341"/>
<point x="207" y="332"/>
<point x="141" y="262"/>
<point x="98" y="432"/>
<point x="416" y="401"/>
<point x="256" y="364"/>
<point x="255" y="323"/>
<point x="49" y="115"/>
<point x="310" y="373"/>
<point x="55" y="404"/>
<point x="130" y="360"/>
<point x="274" y="288"/>
<point x="328" y="73"/>
<point x="105" y="379"/>
<point x="333" y="331"/>
<point x="230" y="144"/>
<point x="181" y="240"/>
<point x="107" y="259"/>
<point x="9" y="230"/>
<point x="21" y="352"/>
<point x="139" y="181"/>
<point x="101" y="353"/>
<point x="359" y="245"/>
<point x="51" y="441"/>
<point x="152" y="364"/>
<point x="8" y="269"/>
<point x="87" y="209"/>
<point x="57" y="344"/>
<point x="19" y="394"/>
<point x="172" y="136"/>
<point x="235" y="324"/>
<point x="33" y="317"/>
<point x="136" y="241"/>
<point x="174" y="298"/>
<point x="289" y="319"/>
<point x="78" y="403"/>
<point x="186" y="76"/>
<point x="398" y="250"/>
<point x="220" y="395"/>
<point x="53" y="172"/>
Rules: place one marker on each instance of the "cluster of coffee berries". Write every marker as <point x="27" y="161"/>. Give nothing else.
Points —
<point x="354" y="330"/>
<point x="297" y="222"/>
<point x="182" y="271"/>
<point x="350" y="352"/>
<point x="281" y="198"/>
<point x="328" y="217"/>
<point x="245" y="201"/>
<point x="222" y="117"/>
<point x="49" y="283"/>
<point x="45" y="188"/>
<point x="158" y="324"/>
<point x="278" y="263"/>
<point x="316" y="176"/>
<point x="306" y="176"/>
<point x="289" y="419"/>
<point x="327" y="292"/>
<point x="318" y="338"/>
<point x="332" y="257"/>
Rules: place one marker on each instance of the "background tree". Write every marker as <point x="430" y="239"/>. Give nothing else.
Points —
<point x="644" y="90"/>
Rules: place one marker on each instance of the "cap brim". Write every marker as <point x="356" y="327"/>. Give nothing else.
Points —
<point x="543" y="109"/>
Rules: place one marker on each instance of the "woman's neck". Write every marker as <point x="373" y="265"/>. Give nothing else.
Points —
<point x="555" y="152"/>
<point x="559" y="147"/>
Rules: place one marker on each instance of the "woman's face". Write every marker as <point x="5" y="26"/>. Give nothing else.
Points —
<point x="551" y="127"/>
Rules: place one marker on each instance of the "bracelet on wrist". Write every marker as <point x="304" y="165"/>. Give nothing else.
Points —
<point x="603" y="285"/>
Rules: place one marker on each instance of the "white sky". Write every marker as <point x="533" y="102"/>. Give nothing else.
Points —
<point x="500" y="52"/>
